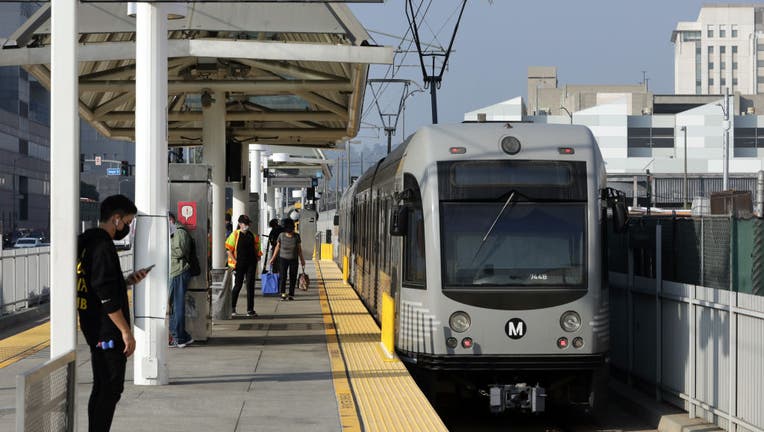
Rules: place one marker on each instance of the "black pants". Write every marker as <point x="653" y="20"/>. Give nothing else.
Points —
<point x="108" y="383"/>
<point x="244" y="271"/>
<point x="287" y="266"/>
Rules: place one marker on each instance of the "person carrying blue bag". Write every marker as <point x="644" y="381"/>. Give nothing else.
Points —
<point x="288" y="249"/>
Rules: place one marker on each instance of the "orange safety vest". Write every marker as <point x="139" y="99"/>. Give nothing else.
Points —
<point x="233" y="241"/>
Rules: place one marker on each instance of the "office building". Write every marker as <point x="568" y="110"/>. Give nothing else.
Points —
<point x="724" y="48"/>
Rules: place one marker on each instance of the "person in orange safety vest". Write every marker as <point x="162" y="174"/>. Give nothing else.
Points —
<point x="243" y="248"/>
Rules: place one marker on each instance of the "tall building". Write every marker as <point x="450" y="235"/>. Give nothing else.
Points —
<point x="724" y="48"/>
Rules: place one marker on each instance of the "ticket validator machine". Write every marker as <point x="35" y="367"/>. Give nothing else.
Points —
<point x="191" y="201"/>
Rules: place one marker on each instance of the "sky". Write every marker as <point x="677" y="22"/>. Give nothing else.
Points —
<point x="589" y="41"/>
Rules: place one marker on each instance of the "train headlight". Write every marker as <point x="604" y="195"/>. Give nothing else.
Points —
<point x="510" y="145"/>
<point x="459" y="322"/>
<point x="570" y="321"/>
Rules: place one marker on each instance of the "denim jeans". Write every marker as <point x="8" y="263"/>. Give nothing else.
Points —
<point x="178" y="287"/>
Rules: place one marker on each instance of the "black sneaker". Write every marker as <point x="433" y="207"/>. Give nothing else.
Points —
<point x="291" y="298"/>
<point x="252" y="313"/>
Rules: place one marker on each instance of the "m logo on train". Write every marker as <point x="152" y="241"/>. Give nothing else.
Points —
<point x="515" y="328"/>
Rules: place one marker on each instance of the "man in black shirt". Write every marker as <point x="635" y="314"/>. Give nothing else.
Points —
<point x="103" y="307"/>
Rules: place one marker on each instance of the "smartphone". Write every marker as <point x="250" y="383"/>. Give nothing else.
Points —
<point x="148" y="269"/>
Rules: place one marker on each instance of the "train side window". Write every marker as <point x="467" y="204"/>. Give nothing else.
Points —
<point x="414" y="264"/>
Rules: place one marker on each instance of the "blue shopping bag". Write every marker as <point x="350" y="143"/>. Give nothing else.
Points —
<point x="270" y="283"/>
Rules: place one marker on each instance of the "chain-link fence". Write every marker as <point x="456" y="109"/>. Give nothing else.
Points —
<point x="45" y="396"/>
<point x="713" y="251"/>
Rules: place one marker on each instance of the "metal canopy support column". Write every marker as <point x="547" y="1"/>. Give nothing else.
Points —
<point x="213" y="125"/>
<point x="64" y="173"/>
<point x="256" y="184"/>
<point x="152" y="237"/>
<point x="241" y="189"/>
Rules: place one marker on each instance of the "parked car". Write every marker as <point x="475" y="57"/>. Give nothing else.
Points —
<point x="28" y="242"/>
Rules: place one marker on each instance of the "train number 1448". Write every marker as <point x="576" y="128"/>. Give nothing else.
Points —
<point x="539" y="276"/>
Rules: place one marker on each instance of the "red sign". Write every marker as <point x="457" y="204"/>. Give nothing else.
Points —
<point x="187" y="214"/>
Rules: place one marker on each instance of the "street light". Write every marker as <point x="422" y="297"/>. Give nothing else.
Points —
<point x="684" y="130"/>
<point x="568" y="112"/>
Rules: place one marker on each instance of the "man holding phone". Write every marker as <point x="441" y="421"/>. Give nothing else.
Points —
<point x="180" y="274"/>
<point x="103" y="307"/>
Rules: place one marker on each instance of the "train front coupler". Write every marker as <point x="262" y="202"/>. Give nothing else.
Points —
<point x="517" y="397"/>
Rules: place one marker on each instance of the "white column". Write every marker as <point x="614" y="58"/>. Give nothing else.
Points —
<point x="213" y="137"/>
<point x="256" y="183"/>
<point x="65" y="176"/>
<point x="279" y="202"/>
<point x="241" y="196"/>
<point x="151" y="195"/>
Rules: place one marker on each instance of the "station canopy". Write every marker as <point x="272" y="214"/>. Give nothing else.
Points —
<point x="293" y="73"/>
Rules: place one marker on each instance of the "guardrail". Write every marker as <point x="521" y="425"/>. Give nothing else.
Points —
<point x="25" y="276"/>
<point x="45" y="396"/>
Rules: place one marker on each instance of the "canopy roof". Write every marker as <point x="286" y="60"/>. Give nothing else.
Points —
<point x="293" y="73"/>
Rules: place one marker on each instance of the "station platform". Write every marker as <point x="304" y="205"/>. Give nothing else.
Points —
<point x="312" y="364"/>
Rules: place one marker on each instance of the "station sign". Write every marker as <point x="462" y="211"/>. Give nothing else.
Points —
<point x="113" y="171"/>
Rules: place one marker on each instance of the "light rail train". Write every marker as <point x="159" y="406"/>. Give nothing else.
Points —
<point x="489" y="237"/>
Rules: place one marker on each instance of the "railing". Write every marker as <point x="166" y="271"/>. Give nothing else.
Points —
<point x="695" y="346"/>
<point x="45" y="396"/>
<point x="25" y="277"/>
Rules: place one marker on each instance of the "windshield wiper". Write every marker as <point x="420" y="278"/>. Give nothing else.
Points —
<point x="498" y="216"/>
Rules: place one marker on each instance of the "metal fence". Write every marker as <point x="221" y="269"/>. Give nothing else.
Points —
<point x="25" y="276"/>
<point x="688" y="315"/>
<point x="45" y="396"/>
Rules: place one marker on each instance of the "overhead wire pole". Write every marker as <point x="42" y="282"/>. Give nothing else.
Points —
<point x="432" y="80"/>
<point x="390" y="120"/>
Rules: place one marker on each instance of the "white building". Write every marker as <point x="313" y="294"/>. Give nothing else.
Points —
<point x="724" y="48"/>
<point x="665" y="145"/>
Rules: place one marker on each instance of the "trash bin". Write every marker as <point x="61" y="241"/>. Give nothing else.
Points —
<point x="221" y="295"/>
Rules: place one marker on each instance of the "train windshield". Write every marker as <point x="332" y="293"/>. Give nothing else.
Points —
<point x="529" y="244"/>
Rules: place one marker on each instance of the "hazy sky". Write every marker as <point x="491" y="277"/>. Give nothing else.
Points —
<point x="590" y="42"/>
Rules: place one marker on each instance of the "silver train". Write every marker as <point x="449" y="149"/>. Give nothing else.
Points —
<point x="489" y="238"/>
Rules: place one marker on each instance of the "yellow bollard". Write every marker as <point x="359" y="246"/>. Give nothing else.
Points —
<point x="388" y="324"/>
<point x="345" y="269"/>
<point x="327" y="251"/>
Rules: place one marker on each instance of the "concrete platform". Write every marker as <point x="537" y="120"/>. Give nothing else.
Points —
<point x="270" y="373"/>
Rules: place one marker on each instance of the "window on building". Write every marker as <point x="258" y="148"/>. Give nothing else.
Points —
<point x="722" y="30"/>
<point x="697" y="51"/>
<point x="734" y="82"/>
<point x="760" y="63"/>
<point x="690" y="36"/>
<point x="710" y="49"/>
<point x="722" y="65"/>
<point x="734" y="49"/>
<point x="723" y="81"/>
<point x="644" y="138"/>
<point x="23" y="109"/>
<point x="733" y="29"/>
<point x="710" y="65"/>
<point x="749" y="138"/>
<point x="710" y="31"/>
<point x="722" y="49"/>
<point x="710" y="81"/>
<point x="24" y="200"/>
<point x="734" y="65"/>
<point x="23" y="146"/>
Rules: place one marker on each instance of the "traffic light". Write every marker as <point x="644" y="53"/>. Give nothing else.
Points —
<point x="124" y="168"/>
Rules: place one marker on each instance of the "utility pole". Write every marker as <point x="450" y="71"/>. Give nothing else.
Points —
<point x="726" y="137"/>
<point x="433" y="80"/>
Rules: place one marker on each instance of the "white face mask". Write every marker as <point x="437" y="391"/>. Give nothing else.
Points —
<point x="245" y="227"/>
<point x="172" y="228"/>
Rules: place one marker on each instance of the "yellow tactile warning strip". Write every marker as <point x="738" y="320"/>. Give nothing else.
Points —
<point x="345" y="403"/>
<point x="24" y="344"/>
<point x="388" y="398"/>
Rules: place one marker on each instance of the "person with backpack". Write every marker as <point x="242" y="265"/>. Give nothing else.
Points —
<point x="288" y="249"/>
<point x="180" y="274"/>
<point x="273" y="236"/>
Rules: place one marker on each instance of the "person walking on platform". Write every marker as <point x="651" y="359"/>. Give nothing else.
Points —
<point x="103" y="307"/>
<point x="273" y="237"/>
<point x="243" y="248"/>
<point x="180" y="275"/>
<point x="288" y="249"/>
